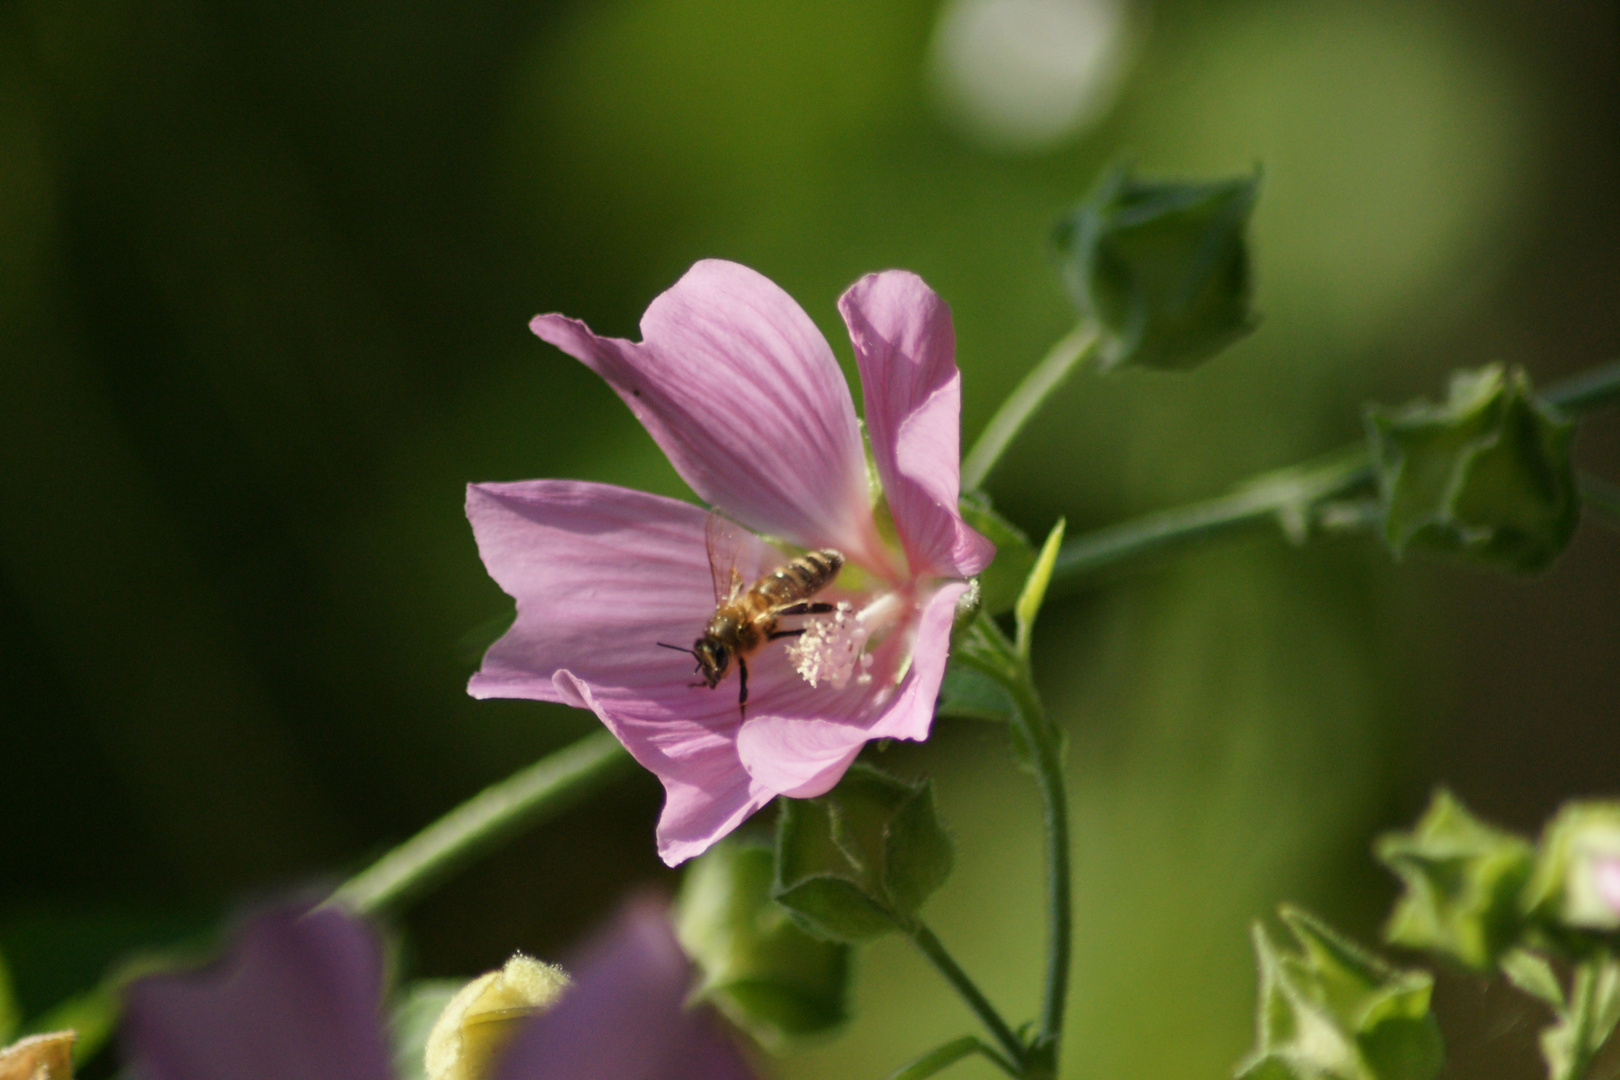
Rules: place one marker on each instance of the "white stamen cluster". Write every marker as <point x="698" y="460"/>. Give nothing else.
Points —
<point x="833" y="650"/>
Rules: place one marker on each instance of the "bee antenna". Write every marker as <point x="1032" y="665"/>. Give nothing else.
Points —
<point x="677" y="648"/>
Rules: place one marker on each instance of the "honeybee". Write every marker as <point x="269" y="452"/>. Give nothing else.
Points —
<point x="746" y="618"/>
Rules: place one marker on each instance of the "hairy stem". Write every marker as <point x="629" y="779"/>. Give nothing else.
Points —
<point x="489" y="818"/>
<point x="932" y="948"/>
<point x="1285" y="496"/>
<point x="1021" y="404"/>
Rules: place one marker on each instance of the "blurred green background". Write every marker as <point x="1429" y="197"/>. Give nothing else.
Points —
<point x="265" y="270"/>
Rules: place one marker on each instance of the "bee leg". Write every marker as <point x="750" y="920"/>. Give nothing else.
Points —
<point x="785" y="633"/>
<point x="742" y="687"/>
<point x="807" y="607"/>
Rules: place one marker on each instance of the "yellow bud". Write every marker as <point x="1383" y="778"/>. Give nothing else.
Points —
<point x="39" y="1057"/>
<point x="484" y="1015"/>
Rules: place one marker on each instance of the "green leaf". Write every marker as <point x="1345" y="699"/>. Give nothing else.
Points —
<point x="1486" y="476"/>
<point x="936" y="1060"/>
<point x="1462" y="881"/>
<point x="1534" y="975"/>
<point x="1034" y="593"/>
<point x="1001" y="581"/>
<point x="1573" y="1042"/>
<point x="918" y="853"/>
<point x="860" y="860"/>
<point x="970" y="694"/>
<point x="764" y="971"/>
<point x="1571" y="891"/>
<point x="415" y="1010"/>
<point x="1161" y="268"/>
<point x="1332" y="1010"/>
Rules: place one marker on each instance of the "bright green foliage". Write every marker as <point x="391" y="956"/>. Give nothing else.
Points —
<point x="1034" y="592"/>
<point x="1334" y="1012"/>
<point x="1594" y="1006"/>
<point x="1001" y="581"/>
<point x="860" y="860"/>
<point x="1572" y="888"/>
<point x="1462" y="881"/>
<point x="759" y="967"/>
<point x="1161" y="268"/>
<point x="1486" y="475"/>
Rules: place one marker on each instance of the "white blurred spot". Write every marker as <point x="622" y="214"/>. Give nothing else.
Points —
<point x="1027" y="74"/>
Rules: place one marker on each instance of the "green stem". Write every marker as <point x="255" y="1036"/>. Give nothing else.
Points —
<point x="1022" y="403"/>
<point x="1590" y="390"/>
<point x="987" y="649"/>
<point x="1601" y="498"/>
<point x="931" y="947"/>
<point x="943" y="1057"/>
<point x="1286" y="495"/>
<point x="492" y="816"/>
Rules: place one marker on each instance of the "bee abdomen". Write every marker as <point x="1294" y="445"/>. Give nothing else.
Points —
<point x="803" y="577"/>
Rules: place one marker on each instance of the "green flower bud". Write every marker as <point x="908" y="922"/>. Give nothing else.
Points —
<point x="1462" y="881"/>
<point x="1161" y="268"/>
<point x="1485" y="476"/>
<point x="1576" y="884"/>
<point x="1334" y="1012"/>
<point x="860" y="860"/>
<point x="484" y="1015"/>
<point x="759" y="967"/>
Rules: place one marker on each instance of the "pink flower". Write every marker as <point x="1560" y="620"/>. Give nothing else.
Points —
<point x="740" y="389"/>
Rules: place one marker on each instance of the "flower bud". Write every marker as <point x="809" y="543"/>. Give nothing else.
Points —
<point x="1485" y="476"/>
<point x="39" y="1057"/>
<point x="1576" y="884"/>
<point x="1462" y="881"/>
<point x="764" y="972"/>
<point x="1332" y="1011"/>
<point x="859" y="861"/>
<point x="1161" y="268"/>
<point x="484" y="1015"/>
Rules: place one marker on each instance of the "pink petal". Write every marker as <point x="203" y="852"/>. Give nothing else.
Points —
<point x="295" y="997"/>
<point x="707" y="792"/>
<point x="601" y="574"/>
<point x="740" y="389"/>
<point x="803" y="757"/>
<point x="906" y="350"/>
<point x="626" y="1015"/>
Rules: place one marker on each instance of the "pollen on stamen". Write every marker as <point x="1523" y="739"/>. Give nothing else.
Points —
<point x="833" y="650"/>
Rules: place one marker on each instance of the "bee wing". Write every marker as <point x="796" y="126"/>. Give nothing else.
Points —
<point x="728" y="545"/>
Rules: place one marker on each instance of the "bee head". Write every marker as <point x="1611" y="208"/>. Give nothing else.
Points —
<point x="712" y="660"/>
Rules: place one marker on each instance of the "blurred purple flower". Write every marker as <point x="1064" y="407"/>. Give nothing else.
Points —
<point x="743" y="394"/>
<point x="298" y="998"/>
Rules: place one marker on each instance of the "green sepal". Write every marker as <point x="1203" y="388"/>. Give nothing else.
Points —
<point x="860" y="860"/>
<point x="759" y="967"/>
<point x="970" y="694"/>
<point x="1160" y="268"/>
<point x="1485" y="476"/>
<point x="1001" y="581"/>
<point x="1462" y="882"/>
<point x="1571" y="893"/>
<point x="1570" y="1045"/>
<point x="1332" y="1011"/>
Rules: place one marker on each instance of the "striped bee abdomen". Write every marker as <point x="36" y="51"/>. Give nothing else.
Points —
<point x="801" y="578"/>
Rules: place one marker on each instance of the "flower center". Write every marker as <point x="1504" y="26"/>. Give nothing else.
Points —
<point x="832" y="649"/>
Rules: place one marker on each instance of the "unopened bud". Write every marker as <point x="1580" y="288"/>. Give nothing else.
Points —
<point x="39" y="1057"/>
<point x="1577" y="879"/>
<point x="484" y="1015"/>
